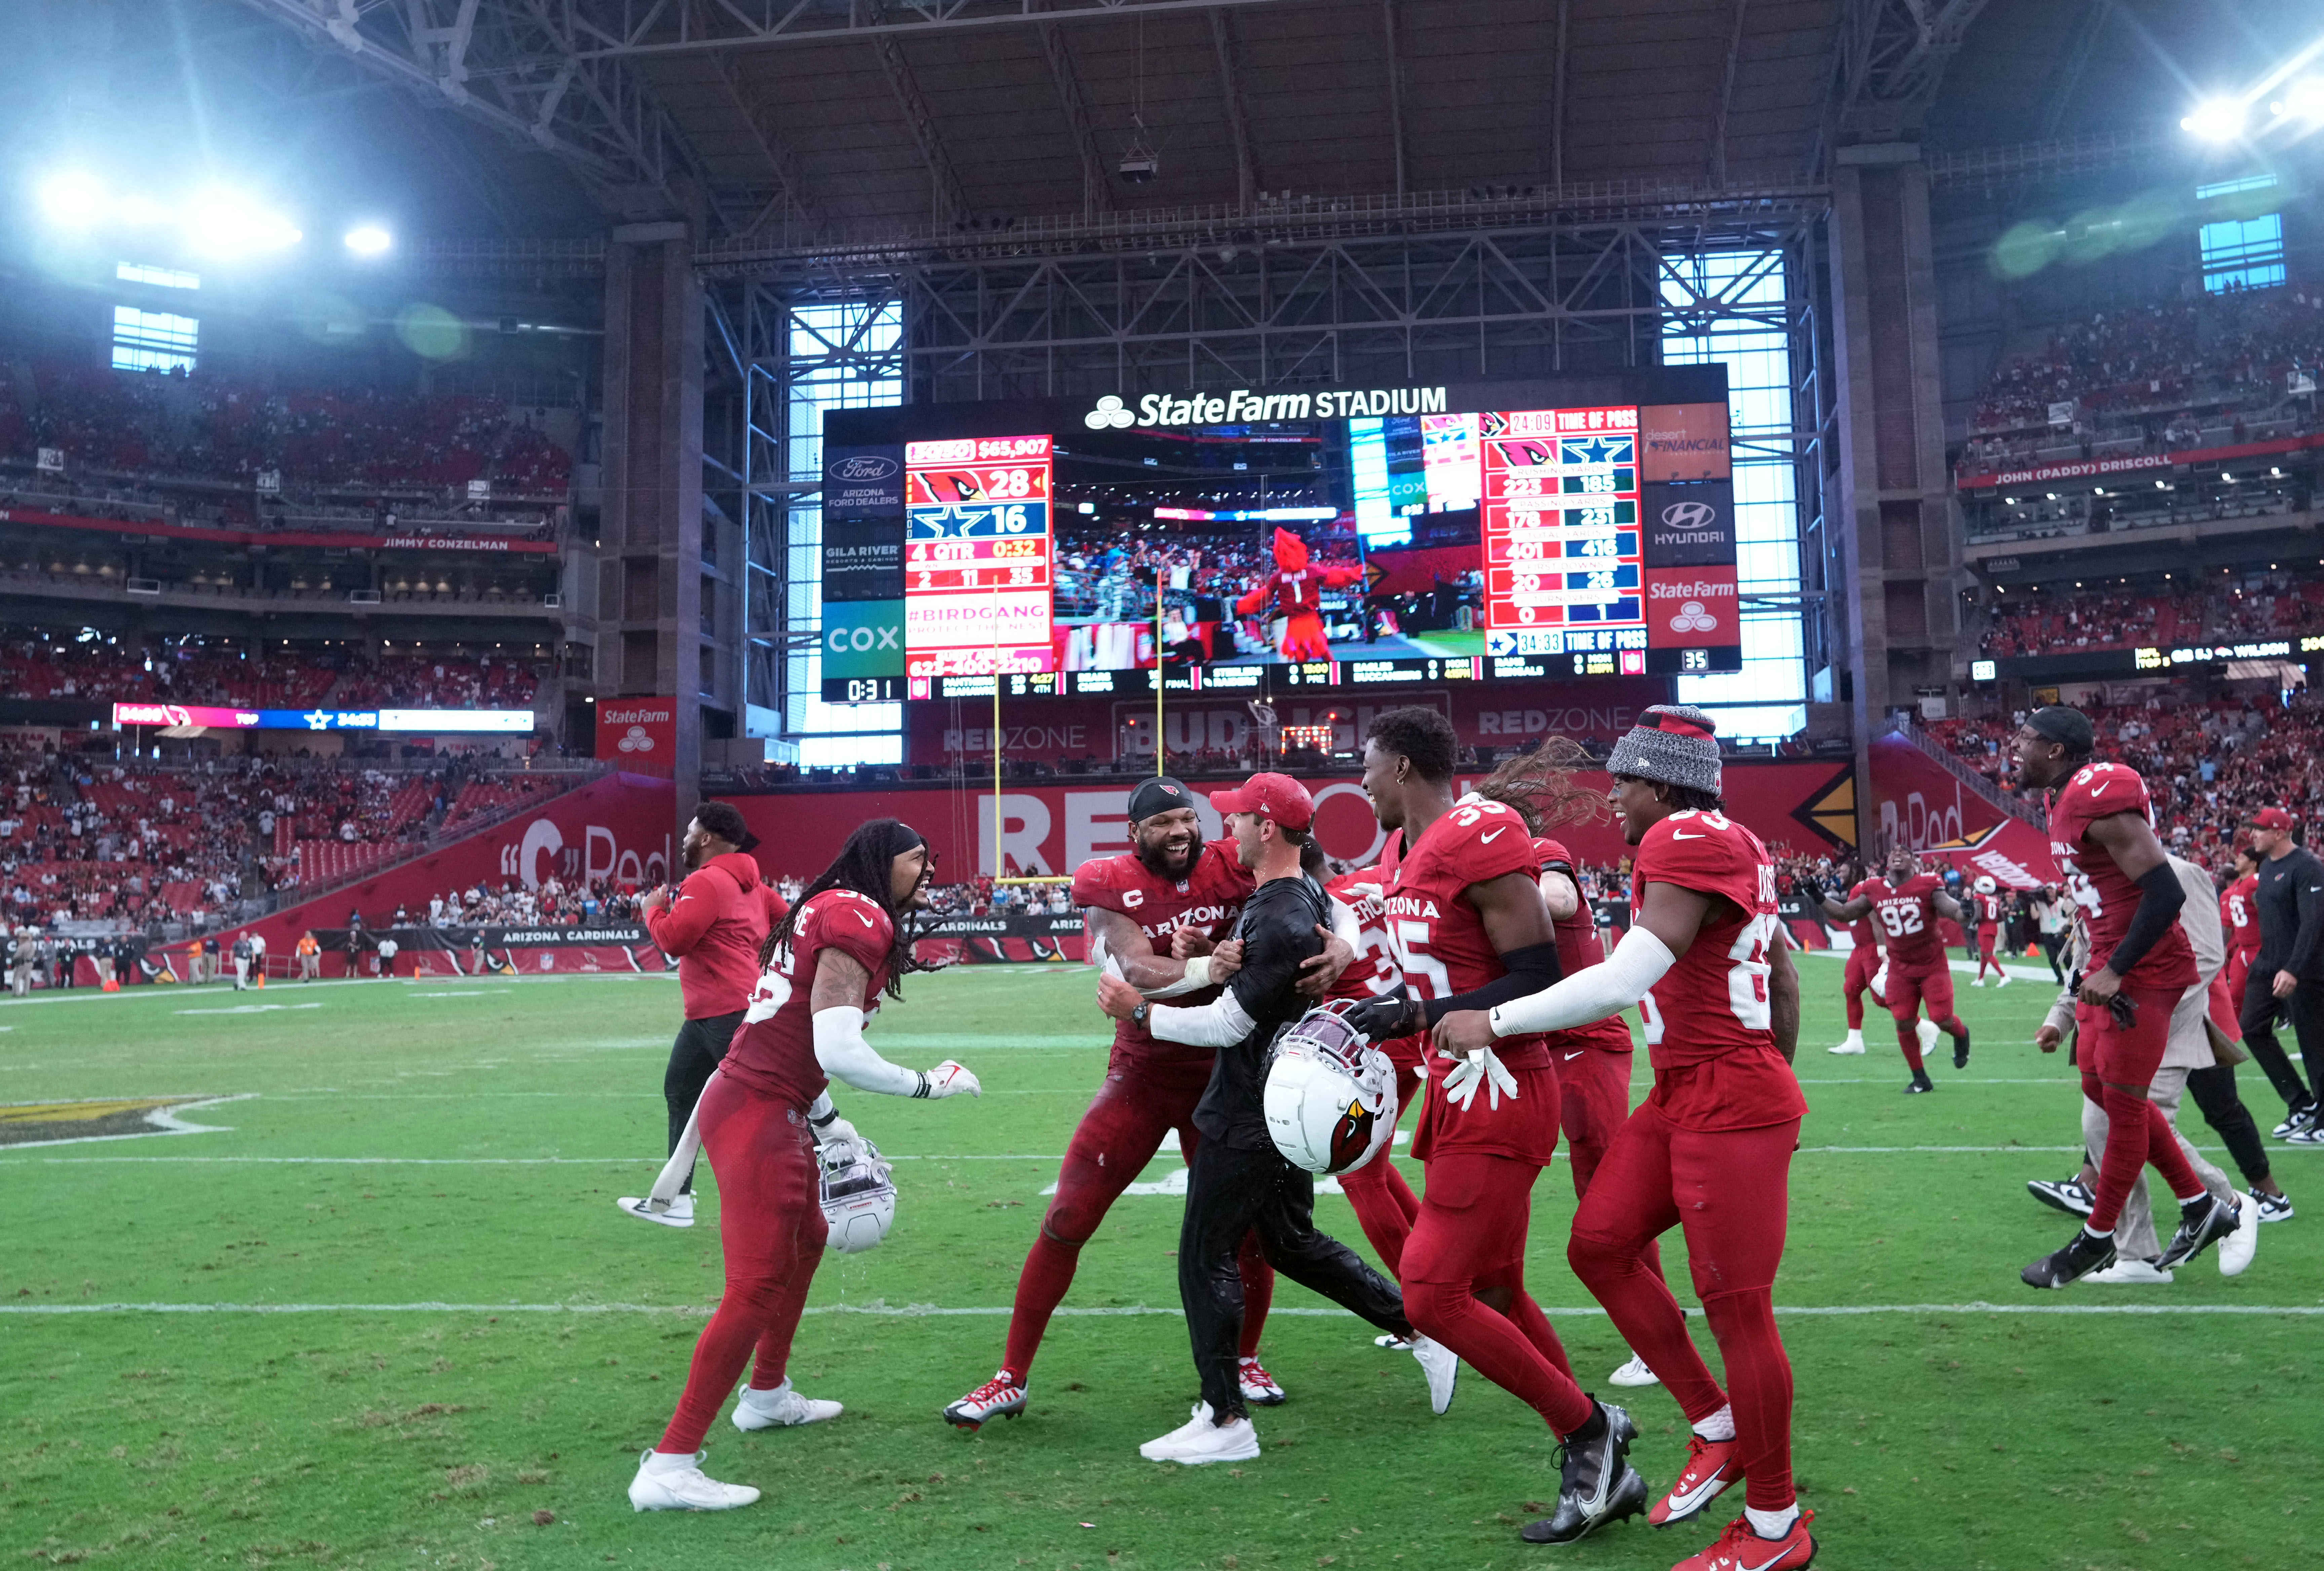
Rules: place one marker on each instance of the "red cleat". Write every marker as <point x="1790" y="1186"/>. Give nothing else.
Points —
<point x="1710" y="1469"/>
<point x="1739" y="1548"/>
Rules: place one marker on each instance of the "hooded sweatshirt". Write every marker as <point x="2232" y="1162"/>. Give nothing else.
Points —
<point x="715" y="927"/>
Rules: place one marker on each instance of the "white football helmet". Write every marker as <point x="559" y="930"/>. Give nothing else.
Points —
<point x="1986" y="885"/>
<point x="1330" y="1099"/>
<point x="859" y="1196"/>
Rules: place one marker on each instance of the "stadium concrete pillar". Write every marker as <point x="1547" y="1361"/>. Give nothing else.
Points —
<point x="1897" y="614"/>
<point x="650" y="641"/>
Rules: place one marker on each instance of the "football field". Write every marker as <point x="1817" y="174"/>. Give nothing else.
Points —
<point x="380" y="1311"/>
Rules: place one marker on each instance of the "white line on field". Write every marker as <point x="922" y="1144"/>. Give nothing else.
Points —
<point x="1836" y="1151"/>
<point x="930" y="1311"/>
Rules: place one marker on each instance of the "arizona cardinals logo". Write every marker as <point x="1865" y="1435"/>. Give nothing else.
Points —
<point x="1351" y="1136"/>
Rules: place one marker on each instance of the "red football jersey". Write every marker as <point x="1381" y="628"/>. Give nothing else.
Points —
<point x="1710" y="1030"/>
<point x="2239" y="916"/>
<point x="1579" y="947"/>
<point x="2097" y="886"/>
<point x="1208" y="900"/>
<point x="1439" y="939"/>
<point x="774" y="1052"/>
<point x="1908" y="921"/>
<point x="1860" y="932"/>
<point x="1373" y="970"/>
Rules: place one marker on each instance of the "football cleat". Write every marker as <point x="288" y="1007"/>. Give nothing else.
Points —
<point x="679" y="1214"/>
<point x="1002" y="1397"/>
<point x="1853" y="1045"/>
<point x="1198" y="1441"/>
<point x="2203" y="1221"/>
<point x="2274" y="1207"/>
<point x="2071" y="1195"/>
<point x="1739" y="1548"/>
<point x="1997" y="987"/>
<point x="1259" y="1387"/>
<point x="781" y="1408"/>
<point x="1978" y="983"/>
<point x="2236" y="1249"/>
<point x="1392" y="1342"/>
<point x="2130" y="1274"/>
<point x="2083" y="1255"/>
<point x="1920" y="1084"/>
<point x="677" y="1484"/>
<point x="1596" y="1483"/>
<point x="1634" y="1372"/>
<point x="1442" y="1365"/>
<point x="1710" y="1469"/>
<point x="1960" y="1049"/>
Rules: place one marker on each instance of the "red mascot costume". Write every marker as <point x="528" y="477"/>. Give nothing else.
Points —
<point x="1295" y="588"/>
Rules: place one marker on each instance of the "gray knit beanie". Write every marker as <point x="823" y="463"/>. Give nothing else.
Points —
<point x="1675" y="743"/>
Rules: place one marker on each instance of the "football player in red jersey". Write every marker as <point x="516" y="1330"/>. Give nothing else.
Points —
<point x="1907" y="905"/>
<point x="1384" y="1202"/>
<point x="1710" y="1149"/>
<point x="2102" y="839"/>
<point x="1866" y="957"/>
<point x="1156" y="913"/>
<point x="1469" y="927"/>
<point x="2239" y="915"/>
<point x="1984" y="905"/>
<point x="762" y="1117"/>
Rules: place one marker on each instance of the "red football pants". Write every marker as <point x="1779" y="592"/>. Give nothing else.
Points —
<point x="1463" y="1282"/>
<point x="1728" y="1191"/>
<point x="2138" y="1133"/>
<point x="772" y="1229"/>
<point x="1907" y="992"/>
<point x="1862" y="962"/>
<point x="1988" y="939"/>
<point x="1118" y="1135"/>
<point x="1593" y="1102"/>
<point x="1384" y="1202"/>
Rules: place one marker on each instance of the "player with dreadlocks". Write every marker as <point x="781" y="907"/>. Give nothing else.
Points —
<point x="846" y="942"/>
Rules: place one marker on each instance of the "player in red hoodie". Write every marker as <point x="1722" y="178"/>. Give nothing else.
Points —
<point x="715" y="923"/>
<point x="1293" y="588"/>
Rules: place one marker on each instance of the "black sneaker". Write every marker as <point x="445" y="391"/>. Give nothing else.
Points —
<point x="2295" y="1121"/>
<point x="2202" y="1221"/>
<point x="1920" y="1083"/>
<point x="2082" y="1256"/>
<point x="2071" y="1195"/>
<point x="2272" y="1207"/>
<point x="1596" y="1483"/>
<point x="1960" y="1049"/>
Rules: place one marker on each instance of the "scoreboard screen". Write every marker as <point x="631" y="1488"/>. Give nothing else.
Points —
<point x="1244" y="541"/>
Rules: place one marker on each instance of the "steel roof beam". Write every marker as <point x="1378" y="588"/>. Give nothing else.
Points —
<point x="1238" y="122"/>
<point x="1395" y="89"/>
<point x="1727" y="96"/>
<point x="628" y="28"/>
<point x="948" y="201"/>
<point x="1097" y="192"/>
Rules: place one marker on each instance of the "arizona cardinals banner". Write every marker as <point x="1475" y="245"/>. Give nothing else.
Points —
<point x="491" y="951"/>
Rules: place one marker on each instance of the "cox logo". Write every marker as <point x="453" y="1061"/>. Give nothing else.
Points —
<point x="859" y="640"/>
<point x="864" y="466"/>
<point x="1109" y="415"/>
<point x="1690" y="515"/>
<point x="1692" y="618"/>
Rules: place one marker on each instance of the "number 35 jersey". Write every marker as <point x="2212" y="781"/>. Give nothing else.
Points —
<point x="1710" y="1020"/>
<point x="773" y="1053"/>
<point x="1438" y="938"/>
<point x="2106" y="898"/>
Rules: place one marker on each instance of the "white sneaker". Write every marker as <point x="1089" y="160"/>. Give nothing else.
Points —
<point x="1259" y="1387"/>
<point x="1442" y="1365"/>
<point x="1928" y="1033"/>
<point x="1634" y="1372"/>
<point x="2126" y="1272"/>
<point x="1978" y="983"/>
<point x="2237" y="1248"/>
<point x="679" y="1214"/>
<point x="677" y="1484"/>
<point x="2003" y="982"/>
<point x="779" y="1409"/>
<point x="1854" y="1044"/>
<point x="1198" y="1441"/>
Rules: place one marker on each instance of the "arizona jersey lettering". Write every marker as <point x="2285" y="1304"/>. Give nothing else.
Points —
<point x="1373" y="971"/>
<point x="2239" y="914"/>
<point x="1579" y="947"/>
<point x="1209" y="900"/>
<point x="773" y="1053"/>
<point x="2106" y="898"/>
<point x="1907" y="916"/>
<point x="1710" y="1020"/>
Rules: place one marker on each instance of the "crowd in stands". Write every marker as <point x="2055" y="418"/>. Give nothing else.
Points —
<point x="599" y="902"/>
<point x="37" y="664"/>
<point x="212" y="427"/>
<point x="2155" y="368"/>
<point x="2054" y="623"/>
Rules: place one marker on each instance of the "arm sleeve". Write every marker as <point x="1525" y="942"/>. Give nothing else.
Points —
<point x="1345" y="926"/>
<point x="701" y="901"/>
<point x="843" y="1054"/>
<point x="2308" y="892"/>
<point x="1219" y="1023"/>
<point x="2159" y="896"/>
<point x="1529" y="970"/>
<point x="1636" y="964"/>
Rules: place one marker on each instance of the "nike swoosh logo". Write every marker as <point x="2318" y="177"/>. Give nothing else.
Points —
<point x="1487" y="839"/>
<point x="1766" y="1565"/>
<point x="1701" y="1492"/>
<point x="2099" y="790"/>
<point x="861" y="918"/>
<point x="1683" y="835"/>
<point x="1574" y="1055"/>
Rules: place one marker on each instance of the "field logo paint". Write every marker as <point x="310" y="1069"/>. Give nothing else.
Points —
<point x="42" y="1124"/>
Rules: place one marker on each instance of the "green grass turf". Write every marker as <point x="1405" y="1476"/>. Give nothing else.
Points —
<point x="422" y="1437"/>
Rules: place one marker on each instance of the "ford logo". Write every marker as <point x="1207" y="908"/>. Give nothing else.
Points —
<point x="864" y="466"/>
<point x="1690" y="515"/>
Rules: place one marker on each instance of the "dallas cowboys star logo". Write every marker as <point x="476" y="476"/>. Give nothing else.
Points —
<point x="318" y="720"/>
<point x="1599" y="450"/>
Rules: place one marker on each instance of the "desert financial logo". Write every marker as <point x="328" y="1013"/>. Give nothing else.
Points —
<point x="1207" y="409"/>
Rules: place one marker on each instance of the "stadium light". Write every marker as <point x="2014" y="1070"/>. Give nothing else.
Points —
<point x="369" y="240"/>
<point x="73" y="198"/>
<point x="225" y="223"/>
<point x="2216" y="120"/>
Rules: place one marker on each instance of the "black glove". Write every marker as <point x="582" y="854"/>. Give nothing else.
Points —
<point x="1382" y="1018"/>
<point x="1810" y="890"/>
<point x="2124" y="1010"/>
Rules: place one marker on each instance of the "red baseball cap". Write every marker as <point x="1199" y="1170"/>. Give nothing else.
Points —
<point x="2272" y="818"/>
<point x="1270" y="796"/>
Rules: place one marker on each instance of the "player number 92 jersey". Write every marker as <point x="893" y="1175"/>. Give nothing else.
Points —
<point x="773" y="1052"/>
<point x="1710" y="1020"/>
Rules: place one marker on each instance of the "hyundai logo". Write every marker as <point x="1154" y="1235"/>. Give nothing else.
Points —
<point x="1690" y="515"/>
<point x="864" y="466"/>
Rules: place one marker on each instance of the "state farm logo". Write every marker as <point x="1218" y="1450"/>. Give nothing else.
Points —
<point x="1691" y="618"/>
<point x="635" y="717"/>
<point x="1109" y="415"/>
<point x="1692" y="605"/>
<point x="1690" y="515"/>
<point x="636" y="740"/>
<point x="864" y="466"/>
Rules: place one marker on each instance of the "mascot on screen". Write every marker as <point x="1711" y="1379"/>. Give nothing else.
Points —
<point x="1294" y="589"/>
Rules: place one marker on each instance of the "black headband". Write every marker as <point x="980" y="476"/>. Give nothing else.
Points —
<point x="1160" y="795"/>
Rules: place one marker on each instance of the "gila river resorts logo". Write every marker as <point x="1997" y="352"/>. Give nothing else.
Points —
<point x="41" y="1123"/>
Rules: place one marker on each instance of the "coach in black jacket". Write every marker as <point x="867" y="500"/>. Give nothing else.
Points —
<point x="2287" y="977"/>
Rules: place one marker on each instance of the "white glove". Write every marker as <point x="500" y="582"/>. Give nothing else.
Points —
<point x="1880" y="984"/>
<point x="1481" y="1067"/>
<point x="839" y="1152"/>
<point x="950" y="1080"/>
<point x="836" y="1132"/>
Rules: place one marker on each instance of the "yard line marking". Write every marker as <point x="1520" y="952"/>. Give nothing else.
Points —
<point x="932" y="1311"/>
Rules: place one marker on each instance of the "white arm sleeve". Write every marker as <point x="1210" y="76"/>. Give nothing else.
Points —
<point x="1636" y="964"/>
<point x="1219" y="1023"/>
<point x="844" y="1055"/>
<point x="1198" y="978"/>
<point x="1345" y="928"/>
